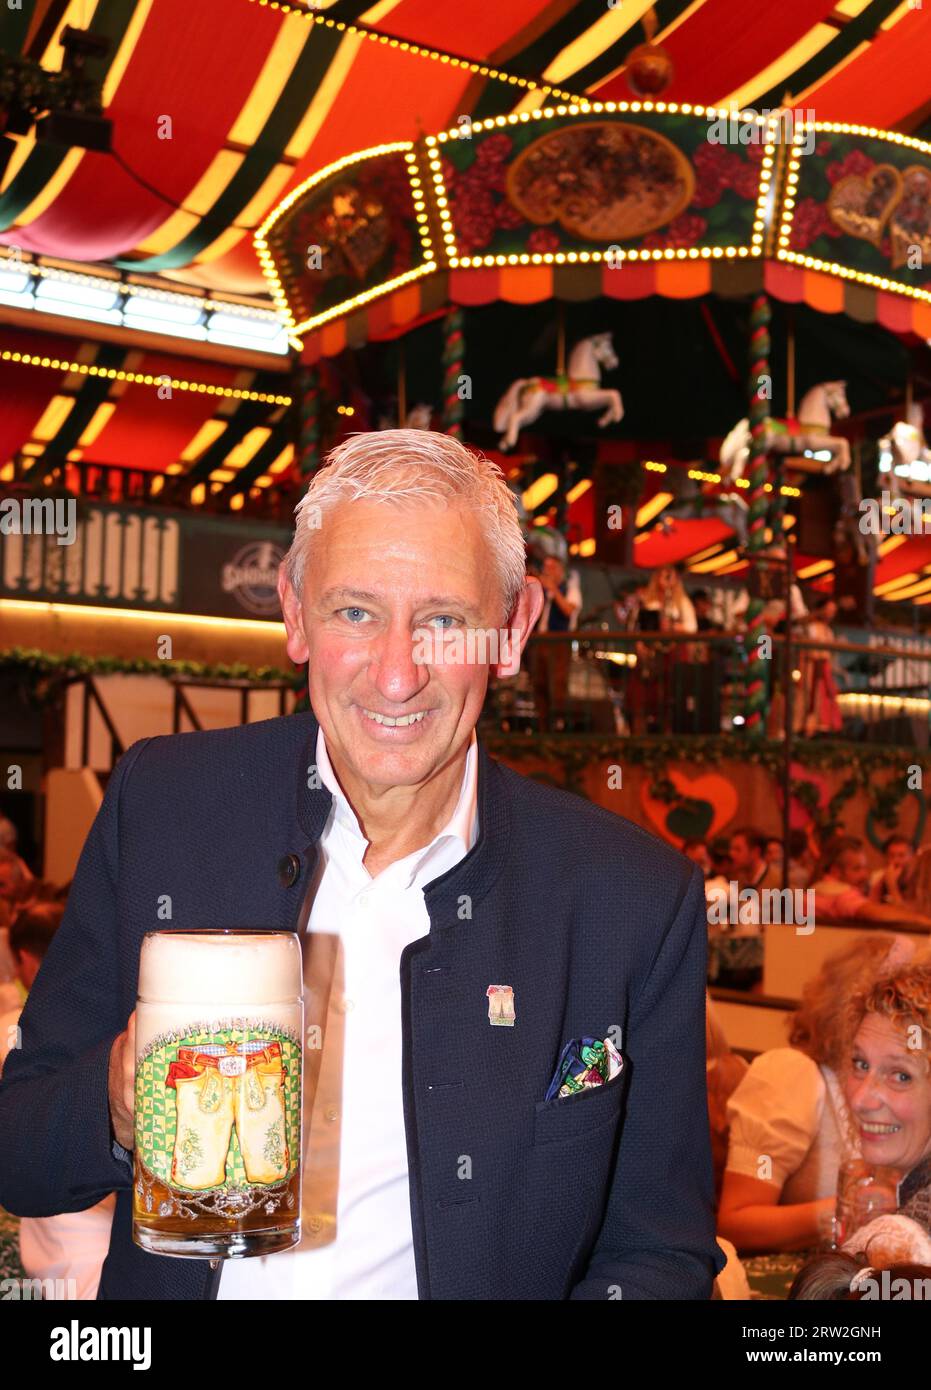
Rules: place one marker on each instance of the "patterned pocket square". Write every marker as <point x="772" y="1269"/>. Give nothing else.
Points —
<point x="585" y="1062"/>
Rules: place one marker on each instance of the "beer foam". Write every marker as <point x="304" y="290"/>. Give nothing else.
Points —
<point x="220" y="970"/>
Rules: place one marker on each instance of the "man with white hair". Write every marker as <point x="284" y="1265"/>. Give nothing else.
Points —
<point x="475" y="944"/>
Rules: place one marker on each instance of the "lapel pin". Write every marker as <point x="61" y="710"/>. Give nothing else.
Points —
<point x="501" y="1005"/>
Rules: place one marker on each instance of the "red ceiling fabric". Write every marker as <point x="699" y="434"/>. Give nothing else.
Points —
<point x="387" y="95"/>
<point x="886" y="82"/>
<point x="190" y="63"/>
<point x="719" y="47"/>
<point x="470" y="30"/>
<point x="25" y="391"/>
<point x="684" y="539"/>
<point x="147" y="432"/>
<point x="913" y="555"/>
<point x="580" y="517"/>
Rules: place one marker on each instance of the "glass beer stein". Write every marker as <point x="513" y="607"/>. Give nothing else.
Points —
<point x="219" y="1030"/>
<point x="864" y="1191"/>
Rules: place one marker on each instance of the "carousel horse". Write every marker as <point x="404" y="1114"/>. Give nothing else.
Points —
<point x="580" y="389"/>
<point x="810" y="431"/>
<point x="786" y="437"/>
<point x="418" y="417"/>
<point x="906" y="444"/>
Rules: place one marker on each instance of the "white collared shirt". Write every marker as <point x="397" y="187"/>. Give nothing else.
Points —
<point x="357" y="1240"/>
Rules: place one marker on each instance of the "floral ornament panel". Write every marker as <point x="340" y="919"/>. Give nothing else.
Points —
<point x="657" y="181"/>
<point x="864" y="203"/>
<point x="351" y="233"/>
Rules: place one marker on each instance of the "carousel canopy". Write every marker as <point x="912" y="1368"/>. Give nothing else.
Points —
<point x="219" y="109"/>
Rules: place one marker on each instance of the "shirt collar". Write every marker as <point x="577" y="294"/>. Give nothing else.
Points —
<point x="449" y="845"/>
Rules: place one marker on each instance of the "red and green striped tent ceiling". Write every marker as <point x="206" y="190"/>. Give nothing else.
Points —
<point x="257" y="96"/>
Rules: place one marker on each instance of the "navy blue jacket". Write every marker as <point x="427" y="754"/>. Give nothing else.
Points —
<point x="594" y="923"/>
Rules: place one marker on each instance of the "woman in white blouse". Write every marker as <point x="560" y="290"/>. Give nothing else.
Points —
<point x="790" y="1129"/>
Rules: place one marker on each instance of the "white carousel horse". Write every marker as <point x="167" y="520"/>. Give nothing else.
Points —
<point x="906" y="445"/>
<point x="418" y="417"/>
<point x="526" y="399"/>
<point x="811" y="431"/>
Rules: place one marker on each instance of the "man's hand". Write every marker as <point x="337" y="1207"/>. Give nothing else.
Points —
<point x="122" y="1083"/>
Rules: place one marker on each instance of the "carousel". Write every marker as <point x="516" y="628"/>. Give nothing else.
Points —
<point x="692" y="333"/>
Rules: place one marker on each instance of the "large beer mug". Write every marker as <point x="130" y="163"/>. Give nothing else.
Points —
<point x="219" y="1030"/>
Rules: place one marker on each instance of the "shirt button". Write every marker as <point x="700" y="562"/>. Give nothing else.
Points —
<point x="289" y="870"/>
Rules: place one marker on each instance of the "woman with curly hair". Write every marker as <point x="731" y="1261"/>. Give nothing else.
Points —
<point x="888" y="1084"/>
<point x="790" y="1128"/>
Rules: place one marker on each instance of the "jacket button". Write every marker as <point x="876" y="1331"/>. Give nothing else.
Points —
<point x="289" y="870"/>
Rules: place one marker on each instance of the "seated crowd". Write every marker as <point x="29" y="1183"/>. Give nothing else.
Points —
<point x="839" y="877"/>
<point x="821" y="1147"/>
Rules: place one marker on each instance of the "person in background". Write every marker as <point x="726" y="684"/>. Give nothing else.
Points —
<point x="801" y="859"/>
<point x="821" y="713"/>
<point x="16" y="883"/>
<point x="658" y="686"/>
<point x="720" y="851"/>
<point x="768" y="587"/>
<point x="701" y="603"/>
<point x="72" y="1246"/>
<point x="774" y="855"/>
<point x="790" y="1128"/>
<point x="707" y="673"/>
<point x="665" y="594"/>
<point x="751" y="868"/>
<point x="736" y="948"/>
<point x="841" y="889"/>
<point x="9" y="835"/>
<point x="715" y="883"/>
<point x="29" y="937"/>
<point x="697" y="851"/>
<point x="725" y="1070"/>
<point x="887" y="883"/>
<point x="562" y="604"/>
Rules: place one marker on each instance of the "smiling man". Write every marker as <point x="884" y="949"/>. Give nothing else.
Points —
<point x="508" y="981"/>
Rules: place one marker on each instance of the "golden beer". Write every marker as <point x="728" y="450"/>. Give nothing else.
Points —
<point x="219" y="1030"/>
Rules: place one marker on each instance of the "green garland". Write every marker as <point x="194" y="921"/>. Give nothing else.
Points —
<point x="48" y="668"/>
<point x="576" y="753"/>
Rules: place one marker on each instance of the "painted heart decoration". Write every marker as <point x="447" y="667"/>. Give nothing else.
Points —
<point x="876" y="835"/>
<point x="910" y="224"/>
<point x="713" y="805"/>
<point x="860" y="204"/>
